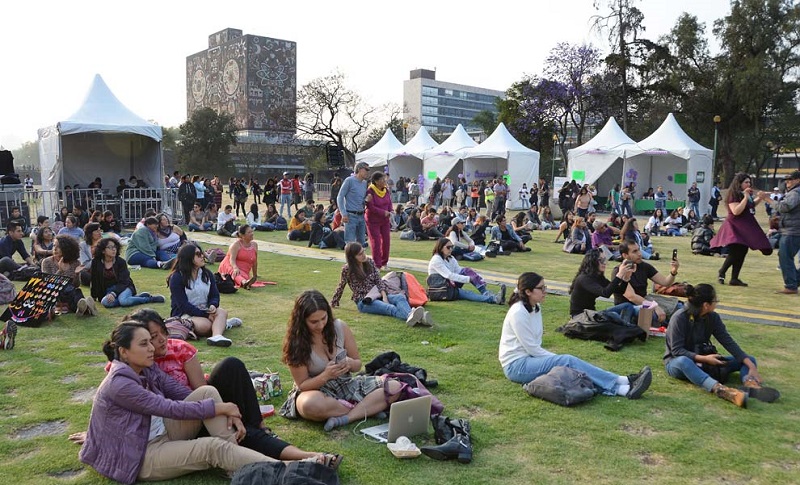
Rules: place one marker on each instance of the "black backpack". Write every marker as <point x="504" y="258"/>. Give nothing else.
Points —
<point x="605" y="327"/>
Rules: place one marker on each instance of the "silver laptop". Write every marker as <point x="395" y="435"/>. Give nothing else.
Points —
<point x="407" y="418"/>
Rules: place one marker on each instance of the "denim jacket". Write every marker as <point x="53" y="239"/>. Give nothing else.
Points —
<point x="119" y="425"/>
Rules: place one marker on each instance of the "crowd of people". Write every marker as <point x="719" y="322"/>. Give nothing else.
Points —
<point x="155" y="385"/>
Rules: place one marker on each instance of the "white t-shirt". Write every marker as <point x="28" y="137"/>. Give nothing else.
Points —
<point x="521" y="335"/>
<point x="198" y="290"/>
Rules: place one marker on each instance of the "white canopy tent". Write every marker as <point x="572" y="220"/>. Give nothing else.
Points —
<point x="600" y="161"/>
<point x="674" y="161"/>
<point x="102" y="139"/>
<point x="409" y="164"/>
<point x="387" y="148"/>
<point x="443" y="161"/>
<point x="501" y="154"/>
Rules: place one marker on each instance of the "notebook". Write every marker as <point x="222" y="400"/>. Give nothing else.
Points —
<point x="406" y="418"/>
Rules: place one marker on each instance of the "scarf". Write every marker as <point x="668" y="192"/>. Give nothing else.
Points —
<point x="379" y="192"/>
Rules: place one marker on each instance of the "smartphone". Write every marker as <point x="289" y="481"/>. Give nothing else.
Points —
<point x="629" y="263"/>
<point x="674" y="254"/>
<point x="341" y="356"/>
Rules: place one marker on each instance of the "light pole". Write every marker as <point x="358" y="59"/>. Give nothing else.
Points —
<point x="717" y="119"/>
<point x="405" y="131"/>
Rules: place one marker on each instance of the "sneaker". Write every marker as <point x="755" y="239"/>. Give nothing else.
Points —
<point x="219" y="341"/>
<point x="161" y="264"/>
<point x="737" y="282"/>
<point x="144" y="294"/>
<point x="233" y="322"/>
<point x="91" y="308"/>
<point x="157" y="299"/>
<point x="639" y="382"/>
<point x="500" y="298"/>
<point x="82" y="307"/>
<point x="427" y="319"/>
<point x="415" y="317"/>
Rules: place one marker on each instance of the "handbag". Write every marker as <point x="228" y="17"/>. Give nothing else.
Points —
<point x="225" y="283"/>
<point x="441" y="289"/>
<point x="563" y="386"/>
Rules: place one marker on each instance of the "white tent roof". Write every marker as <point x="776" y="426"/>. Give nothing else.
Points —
<point x="670" y="137"/>
<point x="387" y="148"/>
<point x="596" y="155"/>
<point x="499" y="144"/>
<point x="458" y="141"/>
<point x="102" y="112"/>
<point x="421" y="142"/>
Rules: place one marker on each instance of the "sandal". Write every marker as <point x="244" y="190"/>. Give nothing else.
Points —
<point x="331" y="460"/>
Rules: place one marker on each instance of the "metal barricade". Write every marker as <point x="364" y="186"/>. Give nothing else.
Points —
<point x="135" y="202"/>
<point x="322" y="192"/>
<point x="11" y="197"/>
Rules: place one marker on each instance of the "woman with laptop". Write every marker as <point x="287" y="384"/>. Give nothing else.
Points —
<point x="524" y="359"/>
<point x="322" y="354"/>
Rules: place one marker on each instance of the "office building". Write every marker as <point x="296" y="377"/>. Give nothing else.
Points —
<point x="441" y="106"/>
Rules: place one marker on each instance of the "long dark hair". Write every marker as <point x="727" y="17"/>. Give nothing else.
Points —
<point x="735" y="193"/>
<point x="88" y="230"/>
<point x="526" y="281"/>
<point x="121" y="338"/>
<point x="697" y="295"/>
<point x="627" y="228"/>
<point x="184" y="265"/>
<point x="147" y="315"/>
<point x="589" y="266"/>
<point x="357" y="270"/>
<point x="254" y="211"/>
<point x="297" y="343"/>
<point x="440" y="244"/>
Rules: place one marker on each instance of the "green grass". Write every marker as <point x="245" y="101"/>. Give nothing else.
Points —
<point x="675" y="434"/>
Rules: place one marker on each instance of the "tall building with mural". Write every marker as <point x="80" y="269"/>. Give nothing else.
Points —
<point x="254" y="79"/>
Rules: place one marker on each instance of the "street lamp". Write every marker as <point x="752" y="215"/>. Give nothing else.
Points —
<point x="553" y="166"/>
<point x="405" y="131"/>
<point x="717" y="119"/>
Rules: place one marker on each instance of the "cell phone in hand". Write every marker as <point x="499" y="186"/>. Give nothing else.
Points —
<point x="341" y="356"/>
<point x="629" y="263"/>
<point x="674" y="254"/>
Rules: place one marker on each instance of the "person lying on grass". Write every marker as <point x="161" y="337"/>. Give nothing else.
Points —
<point x="524" y="359"/>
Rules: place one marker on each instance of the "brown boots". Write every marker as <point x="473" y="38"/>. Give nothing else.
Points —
<point x="730" y="394"/>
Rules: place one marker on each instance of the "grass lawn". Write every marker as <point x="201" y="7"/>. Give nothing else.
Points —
<point x="675" y="434"/>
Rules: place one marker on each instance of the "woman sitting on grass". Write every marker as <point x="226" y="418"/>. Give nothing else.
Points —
<point x="322" y="355"/>
<point x="445" y="265"/>
<point x="64" y="262"/>
<point x="111" y="280"/>
<point x="580" y="240"/>
<point x="590" y="283"/>
<point x="369" y="290"/>
<point x="43" y="244"/>
<point x="194" y="295"/>
<point x="242" y="258"/>
<point x="170" y="238"/>
<point x="462" y="243"/>
<point x="144" y="424"/>
<point x="524" y="359"/>
<point x="230" y="377"/>
<point x="690" y="356"/>
<point x="143" y="248"/>
<point x="567" y="220"/>
<point x="299" y="227"/>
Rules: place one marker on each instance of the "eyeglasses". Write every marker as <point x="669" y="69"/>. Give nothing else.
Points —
<point x="198" y="253"/>
<point x="449" y="246"/>
<point x="543" y="288"/>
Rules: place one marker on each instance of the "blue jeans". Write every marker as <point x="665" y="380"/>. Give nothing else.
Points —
<point x="162" y="255"/>
<point x="126" y="298"/>
<point x="673" y="232"/>
<point x="686" y="369"/>
<point x="626" y="208"/>
<point x="355" y="229"/>
<point x="526" y="369"/>
<point x="790" y="246"/>
<point x="141" y="259"/>
<point x="626" y="311"/>
<point x="286" y="199"/>
<point x="196" y="227"/>
<point x="485" y="296"/>
<point x="397" y="307"/>
<point x="693" y="206"/>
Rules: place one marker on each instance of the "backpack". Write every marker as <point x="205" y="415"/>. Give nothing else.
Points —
<point x="225" y="283"/>
<point x="408" y="235"/>
<point x="563" y="386"/>
<point x="281" y="224"/>
<point x="214" y="255"/>
<point x="441" y="289"/>
<point x="414" y="291"/>
<point x="605" y="327"/>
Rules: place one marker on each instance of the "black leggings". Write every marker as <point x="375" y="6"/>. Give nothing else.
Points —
<point x="735" y="259"/>
<point x="231" y="379"/>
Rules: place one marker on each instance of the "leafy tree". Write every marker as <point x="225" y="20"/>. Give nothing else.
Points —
<point x="27" y="156"/>
<point x="486" y="120"/>
<point x="328" y="110"/>
<point x="207" y="139"/>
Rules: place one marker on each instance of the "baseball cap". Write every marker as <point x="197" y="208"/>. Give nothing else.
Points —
<point x="794" y="175"/>
<point x="361" y="165"/>
<point x="459" y="220"/>
<point x="285" y="173"/>
<point x="598" y="224"/>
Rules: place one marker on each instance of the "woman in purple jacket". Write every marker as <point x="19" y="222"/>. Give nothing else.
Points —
<point x="378" y="216"/>
<point x="144" y="424"/>
<point x="194" y="294"/>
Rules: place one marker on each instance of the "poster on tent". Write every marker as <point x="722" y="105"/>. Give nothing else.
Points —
<point x="36" y="298"/>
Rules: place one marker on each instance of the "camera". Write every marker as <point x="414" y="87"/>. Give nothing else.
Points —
<point x="706" y="348"/>
<point x="366" y="300"/>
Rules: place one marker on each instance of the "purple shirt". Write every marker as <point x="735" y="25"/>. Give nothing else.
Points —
<point x="119" y="425"/>
<point x="600" y="239"/>
<point x="377" y="207"/>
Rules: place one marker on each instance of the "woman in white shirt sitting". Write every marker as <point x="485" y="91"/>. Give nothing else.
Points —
<point x="462" y="243"/>
<point x="524" y="359"/>
<point x="445" y="265"/>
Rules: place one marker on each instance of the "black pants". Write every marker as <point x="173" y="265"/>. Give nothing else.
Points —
<point x="735" y="259"/>
<point x="187" y="208"/>
<point x="231" y="378"/>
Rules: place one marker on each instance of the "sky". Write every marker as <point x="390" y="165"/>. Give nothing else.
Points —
<point x="51" y="50"/>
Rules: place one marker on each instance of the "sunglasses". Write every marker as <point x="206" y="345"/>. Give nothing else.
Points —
<point x="449" y="246"/>
<point x="198" y="253"/>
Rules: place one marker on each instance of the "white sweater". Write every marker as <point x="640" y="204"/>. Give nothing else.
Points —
<point x="463" y="242"/>
<point x="522" y="335"/>
<point x="447" y="268"/>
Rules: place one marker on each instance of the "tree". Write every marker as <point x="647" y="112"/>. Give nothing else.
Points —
<point x="328" y="110"/>
<point x="207" y="139"/>
<point x="395" y="124"/>
<point x="26" y="157"/>
<point x="486" y="120"/>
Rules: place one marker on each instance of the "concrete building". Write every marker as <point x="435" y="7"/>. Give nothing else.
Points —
<point x="440" y="106"/>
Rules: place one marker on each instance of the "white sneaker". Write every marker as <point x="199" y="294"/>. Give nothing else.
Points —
<point x="82" y="307"/>
<point x="219" y="341"/>
<point x="427" y="319"/>
<point x="415" y="317"/>
<point x="233" y="322"/>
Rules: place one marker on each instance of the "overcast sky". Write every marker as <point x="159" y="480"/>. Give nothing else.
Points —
<point x="51" y="50"/>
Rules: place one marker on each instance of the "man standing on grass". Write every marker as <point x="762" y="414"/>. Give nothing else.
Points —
<point x="789" y="209"/>
<point x="351" y="204"/>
